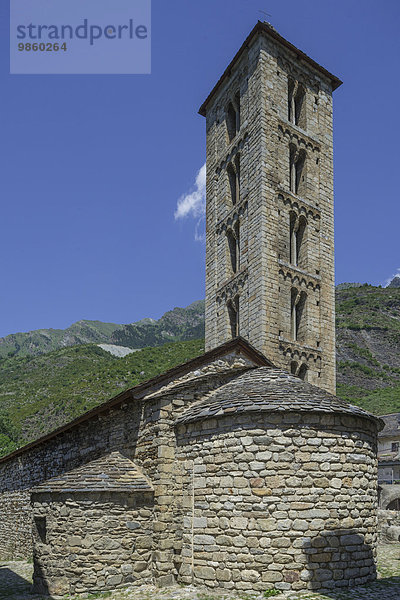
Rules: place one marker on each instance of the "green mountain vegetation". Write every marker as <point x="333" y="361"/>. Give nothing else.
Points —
<point x="178" y="324"/>
<point x="41" y="391"/>
<point x="368" y="347"/>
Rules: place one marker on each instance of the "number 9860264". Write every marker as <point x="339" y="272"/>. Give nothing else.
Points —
<point x="42" y="47"/>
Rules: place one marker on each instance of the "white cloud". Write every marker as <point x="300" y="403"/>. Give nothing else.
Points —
<point x="193" y="204"/>
<point x="389" y="279"/>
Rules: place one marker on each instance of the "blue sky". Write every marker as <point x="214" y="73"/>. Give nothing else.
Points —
<point x="93" y="166"/>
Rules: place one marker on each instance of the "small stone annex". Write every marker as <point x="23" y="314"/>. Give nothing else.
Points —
<point x="239" y="469"/>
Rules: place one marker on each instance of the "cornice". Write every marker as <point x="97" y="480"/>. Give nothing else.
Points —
<point x="233" y="215"/>
<point x="233" y="148"/>
<point x="303" y="277"/>
<point x="233" y="286"/>
<point x="293" y="347"/>
<point x="298" y="203"/>
<point x="296" y="133"/>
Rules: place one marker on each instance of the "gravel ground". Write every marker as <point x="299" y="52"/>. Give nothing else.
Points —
<point x="16" y="578"/>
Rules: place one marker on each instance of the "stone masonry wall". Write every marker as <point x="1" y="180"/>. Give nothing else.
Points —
<point x="286" y="502"/>
<point x="136" y="428"/>
<point x="115" y="430"/>
<point x="92" y="541"/>
<point x="266" y="277"/>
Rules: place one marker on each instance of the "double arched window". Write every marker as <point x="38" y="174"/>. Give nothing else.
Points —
<point x="297" y="160"/>
<point x="298" y="302"/>
<point x="297" y="240"/>
<point x="233" y="117"/>
<point x="233" y="171"/>
<point x="233" y="237"/>
<point x="296" y="103"/>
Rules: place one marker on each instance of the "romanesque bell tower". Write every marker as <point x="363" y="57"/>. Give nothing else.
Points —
<point x="270" y="244"/>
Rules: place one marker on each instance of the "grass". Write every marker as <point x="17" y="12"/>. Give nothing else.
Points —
<point x="368" y="307"/>
<point x="379" y="402"/>
<point x="40" y="393"/>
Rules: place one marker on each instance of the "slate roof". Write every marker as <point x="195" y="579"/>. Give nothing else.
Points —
<point x="111" y="473"/>
<point x="268" y="389"/>
<point x="392" y="425"/>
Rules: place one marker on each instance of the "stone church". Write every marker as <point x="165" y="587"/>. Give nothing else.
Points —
<point x="240" y="469"/>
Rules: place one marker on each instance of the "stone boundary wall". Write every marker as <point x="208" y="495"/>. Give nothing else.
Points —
<point x="285" y="500"/>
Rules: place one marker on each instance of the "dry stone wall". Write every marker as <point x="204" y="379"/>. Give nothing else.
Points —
<point x="284" y="500"/>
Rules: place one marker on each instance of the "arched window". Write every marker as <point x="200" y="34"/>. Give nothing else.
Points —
<point x="233" y="237"/>
<point x="292" y="168"/>
<point x="237" y="171"/>
<point x="233" y="171"/>
<point x="296" y="103"/>
<point x="231" y="119"/>
<point x="237" y="106"/>
<point x="233" y="312"/>
<point x="291" y="105"/>
<point x="296" y="170"/>
<point x="301" y="248"/>
<point x="293" y="314"/>
<point x="232" y="182"/>
<point x="302" y="372"/>
<point x="301" y="158"/>
<point x="297" y="239"/>
<point x="297" y="314"/>
<point x="394" y="505"/>
<point x="299" y="106"/>
<point x="236" y="230"/>
<point x="232" y="250"/>
<point x="293" y="238"/>
<point x="293" y="367"/>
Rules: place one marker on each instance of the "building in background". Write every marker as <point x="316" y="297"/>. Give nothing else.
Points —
<point x="389" y="462"/>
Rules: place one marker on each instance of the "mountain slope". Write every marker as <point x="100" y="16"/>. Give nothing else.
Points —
<point x="40" y="393"/>
<point x="178" y="324"/>
<point x="368" y="347"/>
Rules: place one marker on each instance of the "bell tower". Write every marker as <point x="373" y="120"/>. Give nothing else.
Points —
<point x="269" y="240"/>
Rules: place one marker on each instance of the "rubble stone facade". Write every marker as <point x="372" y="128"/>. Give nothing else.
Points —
<point x="286" y="502"/>
<point x="226" y="472"/>
<point x="270" y="238"/>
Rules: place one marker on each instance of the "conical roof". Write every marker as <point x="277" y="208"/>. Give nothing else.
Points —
<point x="111" y="473"/>
<point x="266" y="389"/>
